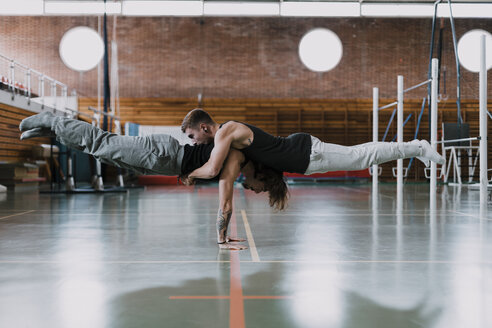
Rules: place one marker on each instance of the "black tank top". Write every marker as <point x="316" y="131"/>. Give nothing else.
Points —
<point x="195" y="156"/>
<point x="290" y="154"/>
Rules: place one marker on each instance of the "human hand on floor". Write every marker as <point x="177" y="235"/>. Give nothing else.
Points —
<point x="186" y="180"/>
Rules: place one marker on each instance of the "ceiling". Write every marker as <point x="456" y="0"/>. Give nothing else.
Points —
<point x="249" y="8"/>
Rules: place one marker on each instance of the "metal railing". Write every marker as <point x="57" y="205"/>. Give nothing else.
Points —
<point x="21" y="80"/>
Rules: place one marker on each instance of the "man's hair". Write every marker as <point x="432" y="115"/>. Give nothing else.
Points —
<point x="278" y="193"/>
<point x="194" y="118"/>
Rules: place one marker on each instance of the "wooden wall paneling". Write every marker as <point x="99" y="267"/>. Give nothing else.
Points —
<point x="345" y="126"/>
<point x="323" y="129"/>
<point x="346" y="122"/>
<point x="299" y="120"/>
<point x="276" y="122"/>
<point x="11" y="148"/>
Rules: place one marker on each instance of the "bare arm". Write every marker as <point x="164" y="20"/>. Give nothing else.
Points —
<point x="222" y="141"/>
<point x="226" y="189"/>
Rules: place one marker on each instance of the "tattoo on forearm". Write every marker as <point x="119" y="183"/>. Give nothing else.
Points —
<point x="223" y="219"/>
<point x="249" y="140"/>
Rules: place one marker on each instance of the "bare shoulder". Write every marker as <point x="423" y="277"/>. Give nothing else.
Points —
<point x="235" y="129"/>
<point x="238" y="134"/>
<point x="232" y="125"/>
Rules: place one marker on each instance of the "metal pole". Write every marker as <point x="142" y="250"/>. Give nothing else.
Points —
<point x="29" y="85"/>
<point x="431" y="54"/>
<point x="483" y="125"/>
<point x="12" y="80"/>
<point x="98" y="182"/>
<point x="457" y="59"/>
<point x="64" y="99"/>
<point x="70" y="182"/>
<point x="99" y="68"/>
<point x="455" y="140"/>
<point x="433" y="177"/>
<point x="375" y="136"/>
<point x="399" y="162"/>
<point x="41" y="88"/>
<point x="53" y="94"/>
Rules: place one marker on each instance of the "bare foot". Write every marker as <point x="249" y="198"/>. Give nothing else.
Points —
<point x="232" y="247"/>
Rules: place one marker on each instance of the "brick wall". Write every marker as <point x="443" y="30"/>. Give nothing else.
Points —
<point x="244" y="57"/>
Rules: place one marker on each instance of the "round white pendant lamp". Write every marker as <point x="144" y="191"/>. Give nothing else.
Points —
<point x="469" y="50"/>
<point x="320" y="50"/>
<point x="81" y="48"/>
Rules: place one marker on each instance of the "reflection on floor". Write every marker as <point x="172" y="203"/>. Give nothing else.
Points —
<point x="148" y="258"/>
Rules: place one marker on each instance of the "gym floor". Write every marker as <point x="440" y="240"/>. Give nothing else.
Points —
<point x="148" y="258"/>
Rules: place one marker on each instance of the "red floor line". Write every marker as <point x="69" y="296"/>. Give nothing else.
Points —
<point x="250" y="297"/>
<point x="233" y="224"/>
<point x="236" y="310"/>
<point x="199" y="297"/>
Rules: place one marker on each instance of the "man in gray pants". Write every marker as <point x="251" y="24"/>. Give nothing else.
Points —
<point x="160" y="154"/>
<point x="156" y="154"/>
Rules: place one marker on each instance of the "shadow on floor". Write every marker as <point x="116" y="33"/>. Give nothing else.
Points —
<point x="152" y="307"/>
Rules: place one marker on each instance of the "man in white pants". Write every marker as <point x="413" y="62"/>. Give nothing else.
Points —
<point x="297" y="153"/>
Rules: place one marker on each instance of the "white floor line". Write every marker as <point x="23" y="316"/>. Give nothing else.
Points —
<point x="352" y="211"/>
<point x="195" y="212"/>
<point x="470" y="215"/>
<point x="113" y="262"/>
<point x="251" y="241"/>
<point x="263" y="261"/>
<point x="374" y="261"/>
<point x="368" y="214"/>
<point x="9" y="216"/>
<point x="366" y="192"/>
<point x="71" y="213"/>
<point x="153" y="214"/>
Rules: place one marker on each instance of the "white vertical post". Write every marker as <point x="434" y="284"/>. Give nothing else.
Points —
<point x="483" y="125"/>
<point x="375" y="136"/>
<point x="70" y="182"/>
<point x="98" y="183"/>
<point x="469" y="153"/>
<point x="28" y="77"/>
<point x="64" y="98"/>
<point x="24" y="86"/>
<point x="433" y="177"/>
<point x="53" y="94"/>
<point x="12" y="77"/>
<point x="41" y="90"/>
<point x="399" y="162"/>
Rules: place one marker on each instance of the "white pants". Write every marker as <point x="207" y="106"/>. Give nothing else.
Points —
<point x="327" y="157"/>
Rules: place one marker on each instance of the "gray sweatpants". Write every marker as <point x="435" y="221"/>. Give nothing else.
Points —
<point x="154" y="154"/>
<point x="327" y="157"/>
